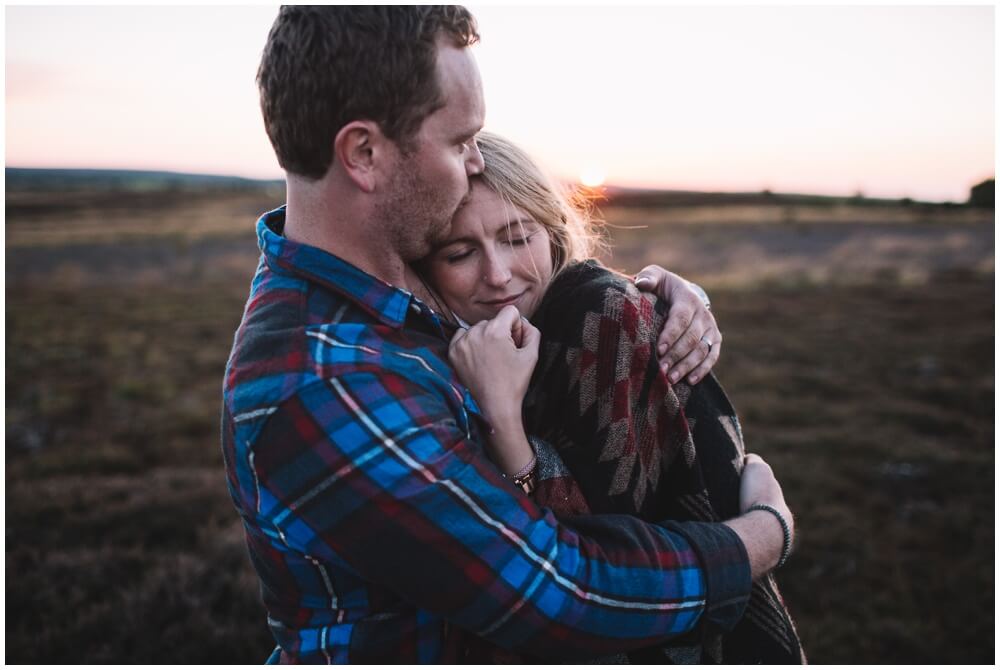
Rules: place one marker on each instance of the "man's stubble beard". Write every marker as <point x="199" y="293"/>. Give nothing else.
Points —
<point x="415" y="215"/>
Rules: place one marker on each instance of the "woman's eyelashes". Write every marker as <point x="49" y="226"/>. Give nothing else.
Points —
<point x="459" y="256"/>
<point x="521" y="240"/>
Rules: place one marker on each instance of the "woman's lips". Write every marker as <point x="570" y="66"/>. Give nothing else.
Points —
<point x="503" y="302"/>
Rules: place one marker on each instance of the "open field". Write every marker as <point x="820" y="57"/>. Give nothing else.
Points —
<point x="858" y="348"/>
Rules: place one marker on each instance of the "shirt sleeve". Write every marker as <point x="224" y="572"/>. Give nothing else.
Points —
<point x="373" y="470"/>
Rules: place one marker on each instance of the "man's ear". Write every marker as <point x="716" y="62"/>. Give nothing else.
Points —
<point x="358" y="147"/>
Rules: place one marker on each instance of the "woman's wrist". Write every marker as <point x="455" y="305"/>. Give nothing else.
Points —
<point x="511" y="453"/>
<point x="523" y="477"/>
<point x="505" y="419"/>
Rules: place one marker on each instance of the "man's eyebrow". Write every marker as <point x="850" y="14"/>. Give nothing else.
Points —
<point x="470" y="132"/>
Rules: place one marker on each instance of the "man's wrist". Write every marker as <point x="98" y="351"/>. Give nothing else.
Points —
<point x="784" y="520"/>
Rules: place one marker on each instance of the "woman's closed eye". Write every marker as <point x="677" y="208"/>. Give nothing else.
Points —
<point x="520" y="241"/>
<point x="458" y="256"/>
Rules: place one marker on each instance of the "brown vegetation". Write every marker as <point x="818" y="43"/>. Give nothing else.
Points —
<point x="859" y="352"/>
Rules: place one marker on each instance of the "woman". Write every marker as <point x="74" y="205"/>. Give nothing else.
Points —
<point x="629" y="440"/>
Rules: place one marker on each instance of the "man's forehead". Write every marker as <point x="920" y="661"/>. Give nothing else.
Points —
<point x="458" y="76"/>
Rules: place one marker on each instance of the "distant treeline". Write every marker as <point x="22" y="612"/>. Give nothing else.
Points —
<point x="43" y="179"/>
<point x="654" y="199"/>
<point x="137" y="181"/>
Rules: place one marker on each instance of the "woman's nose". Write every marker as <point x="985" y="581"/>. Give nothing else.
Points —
<point x="495" y="272"/>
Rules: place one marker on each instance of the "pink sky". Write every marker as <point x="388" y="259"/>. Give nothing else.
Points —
<point x="890" y="101"/>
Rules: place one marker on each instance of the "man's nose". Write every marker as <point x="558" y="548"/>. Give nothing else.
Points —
<point x="474" y="164"/>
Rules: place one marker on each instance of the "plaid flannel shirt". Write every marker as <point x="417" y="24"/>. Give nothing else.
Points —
<point x="380" y="530"/>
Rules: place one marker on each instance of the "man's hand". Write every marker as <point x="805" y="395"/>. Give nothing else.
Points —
<point x="690" y="342"/>
<point x="759" y="485"/>
<point x="760" y="531"/>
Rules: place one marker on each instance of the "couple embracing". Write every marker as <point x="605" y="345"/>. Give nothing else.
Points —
<point x="451" y="436"/>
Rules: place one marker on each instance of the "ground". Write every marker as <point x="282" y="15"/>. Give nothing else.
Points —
<point x="858" y="347"/>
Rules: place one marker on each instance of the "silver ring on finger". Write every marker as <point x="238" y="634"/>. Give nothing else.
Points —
<point x="708" y="342"/>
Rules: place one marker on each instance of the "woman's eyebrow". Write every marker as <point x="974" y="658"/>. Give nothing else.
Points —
<point x="457" y="240"/>
<point x="519" y="221"/>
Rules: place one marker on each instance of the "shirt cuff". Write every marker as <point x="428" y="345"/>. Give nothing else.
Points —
<point x="726" y="567"/>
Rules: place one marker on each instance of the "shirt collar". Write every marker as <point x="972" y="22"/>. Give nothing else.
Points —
<point x="383" y="301"/>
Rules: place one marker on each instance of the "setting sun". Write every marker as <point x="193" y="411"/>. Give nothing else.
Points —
<point x="592" y="177"/>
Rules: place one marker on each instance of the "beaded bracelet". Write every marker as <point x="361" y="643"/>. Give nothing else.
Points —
<point x="786" y="546"/>
<point x="525" y="477"/>
<point x="526" y="470"/>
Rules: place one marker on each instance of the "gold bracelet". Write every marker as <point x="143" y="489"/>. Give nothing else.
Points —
<point x="527" y="483"/>
<point x="525" y="477"/>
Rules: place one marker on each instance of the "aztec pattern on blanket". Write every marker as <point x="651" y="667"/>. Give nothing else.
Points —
<point x="634" y="444"/>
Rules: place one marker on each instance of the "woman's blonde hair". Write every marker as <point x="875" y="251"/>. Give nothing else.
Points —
<point x="567" y="216"/>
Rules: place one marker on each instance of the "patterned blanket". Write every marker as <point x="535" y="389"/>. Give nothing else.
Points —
<point x="631" y="443"/>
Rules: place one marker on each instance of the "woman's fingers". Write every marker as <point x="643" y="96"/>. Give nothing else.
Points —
<point x="495" y="371"/>
<point x="531" y="338"/>
<point x="506" y="324"/>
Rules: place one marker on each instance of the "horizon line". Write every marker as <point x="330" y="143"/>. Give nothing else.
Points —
<point x="570" y="182"/>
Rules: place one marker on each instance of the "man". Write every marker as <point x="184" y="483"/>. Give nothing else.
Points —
<point x="379" y="529"/>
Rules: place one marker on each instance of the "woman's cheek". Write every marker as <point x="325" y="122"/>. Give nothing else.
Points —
<point x="464" y="284"/>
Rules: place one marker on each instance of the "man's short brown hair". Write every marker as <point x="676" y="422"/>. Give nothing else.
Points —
<point x="325" y="66"/>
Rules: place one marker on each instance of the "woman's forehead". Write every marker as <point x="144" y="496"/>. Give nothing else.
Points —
<point x="488" y="212"/>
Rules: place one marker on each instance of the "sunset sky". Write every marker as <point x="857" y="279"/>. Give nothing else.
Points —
<point x="889" y="101"/>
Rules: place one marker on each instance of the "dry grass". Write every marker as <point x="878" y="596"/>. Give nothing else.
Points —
<point x="873" y="400"/>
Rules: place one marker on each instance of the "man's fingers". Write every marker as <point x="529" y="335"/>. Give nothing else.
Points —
<point x="684" y="344"/>
<point x="682" y="367"/>
<point x="712" y="337"/>
<point x="679" y="321"/>
<point x="650" y="278"/>
<point x="693" y="356"/>
<point x="703" y="368"/>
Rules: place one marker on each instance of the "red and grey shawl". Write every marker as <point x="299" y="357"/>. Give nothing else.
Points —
<point x="632" y="443"/>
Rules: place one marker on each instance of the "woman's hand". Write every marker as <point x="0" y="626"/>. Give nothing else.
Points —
<point x="690" y="342"/>
<point x="495" y="359"/>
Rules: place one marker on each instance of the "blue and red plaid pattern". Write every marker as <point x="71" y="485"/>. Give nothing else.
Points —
<point x="380" y="530"/>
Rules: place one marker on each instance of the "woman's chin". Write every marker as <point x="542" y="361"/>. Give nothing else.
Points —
<point x="484" y="312"/>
